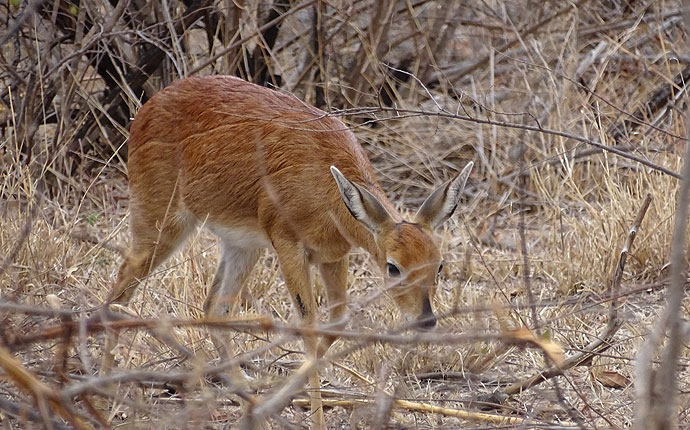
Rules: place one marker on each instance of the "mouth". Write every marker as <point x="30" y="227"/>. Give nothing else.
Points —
<point x="426" y="320"/>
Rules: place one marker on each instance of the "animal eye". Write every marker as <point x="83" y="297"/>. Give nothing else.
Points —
<point x="393" y="270"/>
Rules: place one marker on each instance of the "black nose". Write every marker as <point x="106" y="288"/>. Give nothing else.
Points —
<point x="426" y="320"/>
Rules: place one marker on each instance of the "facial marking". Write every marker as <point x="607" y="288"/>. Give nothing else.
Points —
<point x="414" y="252"/>
<point x="413" y="248"/>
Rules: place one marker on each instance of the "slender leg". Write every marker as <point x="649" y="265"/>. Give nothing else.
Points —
<point x="294" y="265"/>
<point x="334" y="277"/>
<point x="233" y="269"/>
<point x="148" y="250"/>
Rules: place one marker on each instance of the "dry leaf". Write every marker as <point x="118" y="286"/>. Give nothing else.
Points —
<point x="552" y="349"/>
<point x="610" y="379"/>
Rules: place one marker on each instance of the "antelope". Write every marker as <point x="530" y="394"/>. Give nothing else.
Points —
<point x="261" y="169"/>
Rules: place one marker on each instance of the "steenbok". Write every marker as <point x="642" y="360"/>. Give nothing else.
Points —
<point x="262" y="169"/>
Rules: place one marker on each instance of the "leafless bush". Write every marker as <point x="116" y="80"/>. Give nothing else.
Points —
<point x="573" y="112"/>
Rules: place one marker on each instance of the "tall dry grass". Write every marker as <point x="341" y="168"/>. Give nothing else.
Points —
<point x="505" y="75"/>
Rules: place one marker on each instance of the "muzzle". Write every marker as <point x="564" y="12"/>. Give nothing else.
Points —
<point x="427" y="320"/>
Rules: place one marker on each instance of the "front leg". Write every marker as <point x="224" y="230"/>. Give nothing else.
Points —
<point x="294" y="264"/>
<point x="334" y="277"/>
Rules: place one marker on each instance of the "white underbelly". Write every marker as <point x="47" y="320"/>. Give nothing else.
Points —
<point x="241" y="237"/>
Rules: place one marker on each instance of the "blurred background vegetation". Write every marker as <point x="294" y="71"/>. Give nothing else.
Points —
<point x="572" y="112"/>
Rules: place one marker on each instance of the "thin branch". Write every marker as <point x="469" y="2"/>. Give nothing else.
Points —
<point x="603" y="341"/>
<point x="210" y="60"/>
<point x="427" y="408"/>
<point x="407" y="113"/>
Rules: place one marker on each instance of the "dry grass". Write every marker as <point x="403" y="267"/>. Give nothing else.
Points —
<point x="581" y="73"/>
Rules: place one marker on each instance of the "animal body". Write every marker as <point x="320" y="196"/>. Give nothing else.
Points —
<point x="262" y="169"/>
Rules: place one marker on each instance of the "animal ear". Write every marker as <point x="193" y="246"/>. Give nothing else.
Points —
<point x="441" y="204"/>
<point x="363" y="206"/>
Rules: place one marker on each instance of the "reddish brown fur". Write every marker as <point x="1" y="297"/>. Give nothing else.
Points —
<point x="230" y="153"/>
<point x="253" y="164"/>
<point x="241" y="151"/>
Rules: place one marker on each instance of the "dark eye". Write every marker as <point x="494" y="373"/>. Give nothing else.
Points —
<point x="393" y="270"/>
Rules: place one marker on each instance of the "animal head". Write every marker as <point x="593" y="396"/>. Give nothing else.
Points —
<point x="411" y="261"/>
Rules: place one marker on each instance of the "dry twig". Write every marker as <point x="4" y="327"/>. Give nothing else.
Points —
<point x="603" y="341"/>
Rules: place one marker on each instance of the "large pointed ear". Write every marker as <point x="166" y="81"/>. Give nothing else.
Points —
<point x="363" y="206"/>
<point x="441" y="204"/>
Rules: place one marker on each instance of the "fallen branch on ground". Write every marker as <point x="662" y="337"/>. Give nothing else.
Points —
<point x="432" y="409"/>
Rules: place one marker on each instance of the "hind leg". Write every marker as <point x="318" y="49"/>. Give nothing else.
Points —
<point x="150" y="247"/>
<point x="235" y="265"/>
